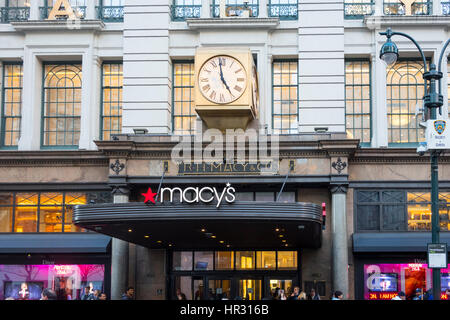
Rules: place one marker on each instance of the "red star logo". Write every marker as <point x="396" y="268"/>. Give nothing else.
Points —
<point x="149" y="196"/>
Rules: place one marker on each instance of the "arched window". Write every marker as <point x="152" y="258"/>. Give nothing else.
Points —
<point x="404" y="92"/>
<point x="62" y="105"/>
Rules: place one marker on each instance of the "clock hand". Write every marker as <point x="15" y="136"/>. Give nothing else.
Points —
<point x="221" y="76"/>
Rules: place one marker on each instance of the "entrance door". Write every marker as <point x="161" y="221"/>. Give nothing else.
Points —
<point x="285" y="285"/>
<point x="250" y="289"/>
<point x="220" y="289"/>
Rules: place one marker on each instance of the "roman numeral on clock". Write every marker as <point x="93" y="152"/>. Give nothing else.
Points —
<point x="212" y="95"/>
<point x="206" y="88"/>
<point x="237" y="88"/>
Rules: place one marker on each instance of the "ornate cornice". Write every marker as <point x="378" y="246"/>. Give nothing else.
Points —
<point x="52" y="158"/>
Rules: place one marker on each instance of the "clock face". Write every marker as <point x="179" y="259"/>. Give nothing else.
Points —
<point x="222" y="79"/>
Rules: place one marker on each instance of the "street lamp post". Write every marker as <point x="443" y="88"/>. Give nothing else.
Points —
<point x="432" y="101"/>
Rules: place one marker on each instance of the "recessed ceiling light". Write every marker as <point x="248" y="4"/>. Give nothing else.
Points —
<point x="277" y="229"/>
<point x="286" y="245"/>
<point x="213" y="237"/>
<point x="283" y="240"/>
<point x="170" y="244"/>
<point x="203" y="230"/>
<point x="129" y="230"/>
<point x="281" y="236"/>
<point x="159" y="241"/>
<point x="146" y="236"/>
<point x="221" y="241"/>
<point x="228" y="245"/>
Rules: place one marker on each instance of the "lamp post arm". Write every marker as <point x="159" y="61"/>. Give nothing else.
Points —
<point x="440" y="63"/>
<point x="393" y="33"/>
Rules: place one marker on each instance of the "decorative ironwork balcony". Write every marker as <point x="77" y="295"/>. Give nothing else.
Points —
<point x="183" y="12"/>
<point x="283" y="11"/>
<point x="445" y="8"/>
<point x="358" y="10"/>
<point x="8" y="14"/>
<point x="236" y="10"/>
<point x="80" y="12"/>
<point x="110" y="13"/>
<point x="417" y="8"/>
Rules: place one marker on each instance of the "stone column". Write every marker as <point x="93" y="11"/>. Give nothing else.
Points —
<point x="339" y="238"/>
<point x="437" y="8"/>
<point x="90" y="9"/>
<point x="379" y="109"/>
<point x="206" y="9"/>
<point x="263" y="8"/>
<point x="119" y="253"/>
<point x="34" y="10"/>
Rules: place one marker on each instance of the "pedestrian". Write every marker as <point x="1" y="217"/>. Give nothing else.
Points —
<point x="418" y="295"/>
<point x="282" y="295"/>
<point x="294" y="295"/>
<point x="48" y="294"/>
<point x="338" y="295"/>
<point x="86" y="294"/>
<point x="313" y="295"/>
<point x="95" y="295"/>
<point x="428" y="295"/>
<point x="180" y="295"/>
<point x="128" y="295"/>
<point x="447" y="294"/>
<point x="302" y="296"/>
<point x="400" y="296"/>
<point x="102" y="296"/>
<point x="224" y="296"/>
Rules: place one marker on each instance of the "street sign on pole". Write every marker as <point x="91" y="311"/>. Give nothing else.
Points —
<point x="438" y="134"/>
<point x="437" y="255"/>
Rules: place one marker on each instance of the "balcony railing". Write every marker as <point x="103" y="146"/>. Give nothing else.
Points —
<point x="183" y="12"/>
<point x="417" y="8"/>
<point x="445" y="8"/>
<point x="283" y="11"/>
<point x="8" y="14"/>
<point x="358" y="10"/>
<point x="80" y="12"/>
<point x="236" y="10"/>
<point x="110" y="13"/>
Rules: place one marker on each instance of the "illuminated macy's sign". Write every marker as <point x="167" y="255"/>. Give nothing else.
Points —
<point x="193" y="195"/>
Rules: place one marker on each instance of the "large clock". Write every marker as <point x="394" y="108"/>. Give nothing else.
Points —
<point x="222" y="79"/>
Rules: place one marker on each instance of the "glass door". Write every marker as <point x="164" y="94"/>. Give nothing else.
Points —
<point x="219" y="289"/>
<point x="275" y="285"/>
<point x="250" y="289"/>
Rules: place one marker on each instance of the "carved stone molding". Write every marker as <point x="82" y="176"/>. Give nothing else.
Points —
<point x="120" y="190"/>
<point x="339" y="165"/>
<point x="117" y="166"/>
<point x="340" y="188"/>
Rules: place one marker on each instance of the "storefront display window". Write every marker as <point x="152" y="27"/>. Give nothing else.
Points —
<point x="384" y="281"/>
<point x="287" y="260"/>
<point x="182" y="260"/>
<point x="245" y="260"/>
<point x="266" y="260"/>
<point x="43" y="211"/>
<point x="224" y="260"/>
<point x="203" y="260"/>
<point x="401" y="210"/>
<point x="26" y="282"/>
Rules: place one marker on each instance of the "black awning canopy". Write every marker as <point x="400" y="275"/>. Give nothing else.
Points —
<point x="197" y="226"/>
<point x="54" y="243"/>
<point x="395" y="242"/>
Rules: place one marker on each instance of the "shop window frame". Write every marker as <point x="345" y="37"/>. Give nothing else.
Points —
<point x="3" y="105"/>
<point x="381" y="204"/>
<point x="68" y="64"/>
<point x="282" y="130"/>
<point x="392" y="86"/>
<point x="361" y="100"/>
<point x="102" y="102"/>
<point x="13" y="205"/>
<point x="182" y="131"/>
